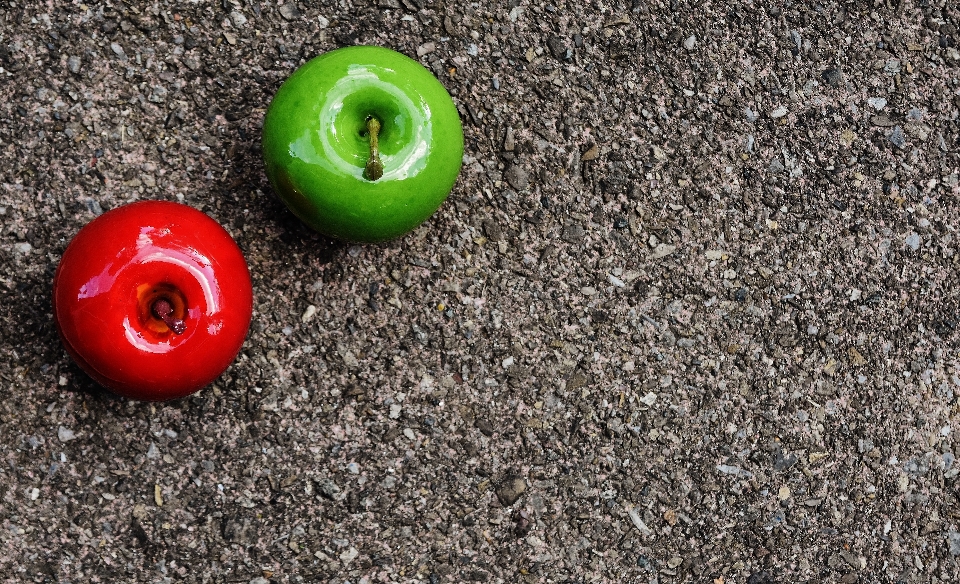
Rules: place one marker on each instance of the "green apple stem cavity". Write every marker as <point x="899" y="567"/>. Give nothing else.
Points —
<point x="163" y="310"/>
<point x="374" y="168"/>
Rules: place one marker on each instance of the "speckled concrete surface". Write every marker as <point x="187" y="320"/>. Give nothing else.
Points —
<point x="689" y="314"/>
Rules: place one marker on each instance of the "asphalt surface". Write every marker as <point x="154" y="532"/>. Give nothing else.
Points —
<point x="689" y="315"/>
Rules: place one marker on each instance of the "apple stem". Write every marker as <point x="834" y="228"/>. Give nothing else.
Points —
<point x="374" y="168"/>
<point x="163" y="310"/>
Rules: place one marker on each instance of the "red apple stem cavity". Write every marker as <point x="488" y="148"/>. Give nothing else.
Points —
<point x="163" y="310"/>
<point x="374" y="168"/>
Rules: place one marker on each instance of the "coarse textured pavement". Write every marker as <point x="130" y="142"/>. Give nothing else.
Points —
<point x="689" y="315"/>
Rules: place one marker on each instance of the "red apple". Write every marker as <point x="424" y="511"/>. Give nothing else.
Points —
<point x="153" y="300"/>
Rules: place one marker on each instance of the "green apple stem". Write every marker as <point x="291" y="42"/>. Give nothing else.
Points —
<point x="163" y="310"/>
<point x="374" y="168"/>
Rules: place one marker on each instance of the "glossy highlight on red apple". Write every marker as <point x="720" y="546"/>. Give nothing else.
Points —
<point x="153" y="300"/>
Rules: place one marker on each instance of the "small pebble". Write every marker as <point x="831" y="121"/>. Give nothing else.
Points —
<point x="734" y="470"/>
<point x="509" y="140"/>
<point x="913" y="241"/>
<point x="897" y="138"/>
<point x="953" y="541"/>
<point x="289" y="11"/>
<point x="573" y="233"/>
<point x="832" y="77"/>
<point x="510" y="490"/>
<point x="238" y="18"/>
<point x="662" y="250"/>
<point x="517" y="177"/>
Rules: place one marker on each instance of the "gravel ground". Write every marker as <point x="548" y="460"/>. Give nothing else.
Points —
<point x="689" y="314"/>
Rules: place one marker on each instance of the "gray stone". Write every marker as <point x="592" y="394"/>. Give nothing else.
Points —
<point x="662" y="250"/>
<point x="782" y="461"/>
<point x="289" y="11"/>
<point x="832" y="77"/>
<point x="510" y="490"/>
<point x="328" y="489"/>
<point x="761" y="578"/>
<point x="485" y="427"/>
<point x="734" y="470"/>
<point x="158" y="95"/>
<point x="953" y="541"/>
<point x="779" y="112"/>
<point x="65" y="434"/>
<point x="509" y="141"/>
<point x="573" y="233"/>
<point x="239" y="531"/>
<point x="517" y="177"/>
<point x="558" y="49"/>
<point x="492" y="229"/>
<point x="897" y="138"/>
<point x="913" y="240"/>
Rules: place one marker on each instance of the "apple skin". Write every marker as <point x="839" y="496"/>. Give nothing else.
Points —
<point x="315" y="148"/>
<point x="122" y="262"/>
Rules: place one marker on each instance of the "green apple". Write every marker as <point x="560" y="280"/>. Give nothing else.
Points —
<point x="362" y="143"/>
